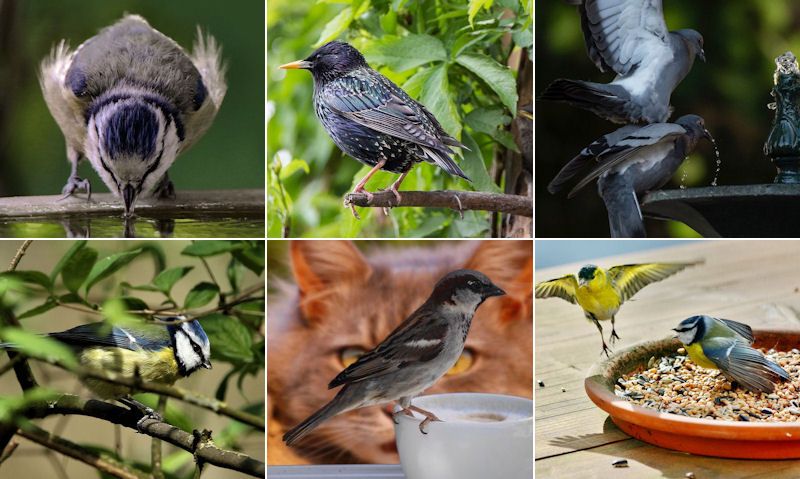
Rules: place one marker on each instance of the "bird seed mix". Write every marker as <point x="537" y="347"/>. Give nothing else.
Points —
<point x="674" y="384"/>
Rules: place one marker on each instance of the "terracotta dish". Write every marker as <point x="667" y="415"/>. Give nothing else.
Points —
<point x="707" y="437"/>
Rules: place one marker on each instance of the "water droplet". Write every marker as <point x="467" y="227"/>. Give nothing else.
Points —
<point x="718" y="160"/>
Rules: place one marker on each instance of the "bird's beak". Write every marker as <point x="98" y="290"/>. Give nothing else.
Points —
<point x="298" y="65"/>
<point x="702" y="55"/>
<point x="207" y="364"/>
<point x="128" y="197"/>
<point x="707" y="135"/>
<point x="494" y="291"/>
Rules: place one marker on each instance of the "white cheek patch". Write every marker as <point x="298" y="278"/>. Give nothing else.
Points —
<point x="185" y="353"/>
<point x="422" y="343"/>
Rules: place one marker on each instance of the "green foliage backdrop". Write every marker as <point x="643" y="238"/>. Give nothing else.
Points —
<point x="731" y="91"/>
<point x="220" y="283"/>
<point x="32" y="151"/>
<point x="448" y="54"/>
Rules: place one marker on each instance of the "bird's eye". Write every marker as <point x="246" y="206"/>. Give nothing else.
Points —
<point x="471" y="283"/>
<point x="463" y="364"/>
<point x="348" y="356"/>
<point x="197" y="349"/>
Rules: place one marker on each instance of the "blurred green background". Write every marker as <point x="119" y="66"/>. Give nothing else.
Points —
<point x="416" y="44"/>
<point x="731" y="91"/>
<point x="32" y="150"/>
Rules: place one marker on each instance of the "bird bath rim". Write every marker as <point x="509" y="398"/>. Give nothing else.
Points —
<point x="706" y="437"/>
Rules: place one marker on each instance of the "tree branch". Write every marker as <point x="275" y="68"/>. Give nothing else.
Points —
<point x="191" y="397"/>
<point x="457" y="200"/>
<point x="75" y="451"/>
<point x="204" y="451"/>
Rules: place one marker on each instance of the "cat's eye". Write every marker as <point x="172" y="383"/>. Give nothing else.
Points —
<point x="348" y="356"/>
<point x="463" y="364"/>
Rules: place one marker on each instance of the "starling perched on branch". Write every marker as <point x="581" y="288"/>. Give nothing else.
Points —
<point x="372" y="119"/>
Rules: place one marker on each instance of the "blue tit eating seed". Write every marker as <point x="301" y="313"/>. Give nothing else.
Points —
<point x="600" y="293"/>
<point x="130" y="100"/>
<point x="157" y="353"/>
<point x="726" y="345"/>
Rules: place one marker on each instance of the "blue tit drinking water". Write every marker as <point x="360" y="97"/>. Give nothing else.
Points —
<point x="157" y="353"/>
<point x="726" y="345"/>
<point x="130" y="100"/>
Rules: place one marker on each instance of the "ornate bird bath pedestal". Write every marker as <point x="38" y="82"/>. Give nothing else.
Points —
<point x="765" y="210"/>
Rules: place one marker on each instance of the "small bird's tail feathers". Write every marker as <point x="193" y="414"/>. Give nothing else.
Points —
<point x="443" y="161"/>
<point x="301" y="430"/>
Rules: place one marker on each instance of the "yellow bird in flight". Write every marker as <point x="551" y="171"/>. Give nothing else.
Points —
<point x="601" y="292"/>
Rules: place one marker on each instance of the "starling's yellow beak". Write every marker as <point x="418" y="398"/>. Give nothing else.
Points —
<point x="298" y="65"/>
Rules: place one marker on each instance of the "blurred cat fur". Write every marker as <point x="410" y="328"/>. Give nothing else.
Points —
<point x="342" y="299"/>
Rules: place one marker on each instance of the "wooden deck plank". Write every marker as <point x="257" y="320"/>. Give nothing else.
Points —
<point x="757" y="282"/>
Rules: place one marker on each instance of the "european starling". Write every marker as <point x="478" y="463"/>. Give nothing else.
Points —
<point x="372" y="119"/>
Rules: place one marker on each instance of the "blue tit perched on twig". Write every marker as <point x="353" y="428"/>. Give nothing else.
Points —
<point x="153" y="352"/>
<point x="130" y="100"/>
<point x="601" y="292"/>
<point x="726" y="345"/>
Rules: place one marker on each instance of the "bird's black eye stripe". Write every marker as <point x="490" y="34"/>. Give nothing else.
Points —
<point x="196" y="347"/>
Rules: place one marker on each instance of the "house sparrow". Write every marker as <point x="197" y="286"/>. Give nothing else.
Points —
<point x="413" y="357"/>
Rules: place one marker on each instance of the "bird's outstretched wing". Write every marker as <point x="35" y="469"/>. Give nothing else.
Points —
<point x="633" y="143"/>
<point x="630" y="278"/>
<point x="563" y="288"/>
<point x="620" y="35"/>
<point x="743" y="364"/>
<point x="405" y="345"/>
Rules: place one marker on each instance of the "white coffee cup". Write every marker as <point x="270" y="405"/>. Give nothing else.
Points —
<point x="481" y="436"/>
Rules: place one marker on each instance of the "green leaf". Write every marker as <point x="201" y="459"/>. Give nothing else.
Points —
<point x="116" y="313"/>
<point x="77" y="268"/>
<point x="335" y="27"/>
<point x="30" y="277"/>
<point x="475" y="6"/>
<point x="109" y="265"/>
<point x="405" y="53"/>
<point x="200" y="295"/>
<point x="474" y="166"/>
<point x="38" y="346"/>
<point x="71" y="251"/>
<point x="234" y="271"/>
<point x="436" y="97"/>
<point x="133" y="303"/>
<point x="497" y="77"/>
<point x="294" y="166"/>
<point x="230" y="340"/>
<point x="252" y="257"/>
<point x="42" y="308"/>
<point x="167" y="278"/>
<point x="414" y="85"/>
<point x="209" y="248"/>
<point x="486" y="120"/>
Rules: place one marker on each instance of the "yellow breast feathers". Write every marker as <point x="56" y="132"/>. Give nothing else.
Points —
<point x="157" y="367"/>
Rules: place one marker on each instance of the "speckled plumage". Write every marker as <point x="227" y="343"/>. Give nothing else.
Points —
<point x="372" y="119"/>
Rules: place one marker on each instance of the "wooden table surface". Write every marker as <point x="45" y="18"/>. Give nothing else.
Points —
<point x="757" y="282"/>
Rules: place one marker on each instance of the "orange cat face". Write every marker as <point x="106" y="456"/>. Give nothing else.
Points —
<point x="346" y="303"/>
